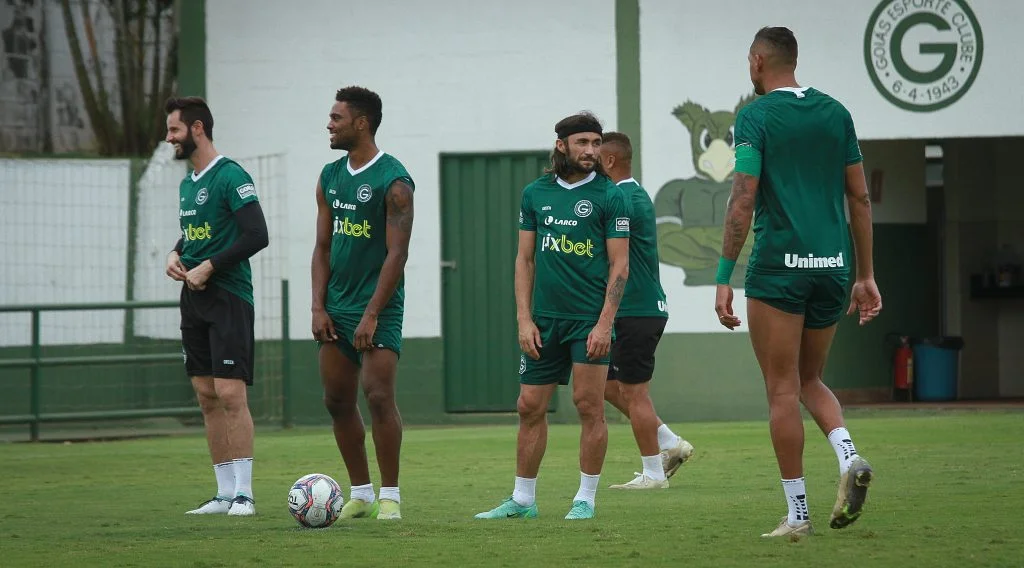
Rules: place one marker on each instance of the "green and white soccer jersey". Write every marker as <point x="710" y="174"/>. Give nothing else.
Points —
<point x="804" y="139"/>
<point x="572" y="222"/>
<point x="644" y="295"/>
<point x="208" y="200"/>
<point x="359" y="240"/>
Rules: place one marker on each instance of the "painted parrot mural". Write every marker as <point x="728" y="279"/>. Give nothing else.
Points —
<point x="691" y="212"/>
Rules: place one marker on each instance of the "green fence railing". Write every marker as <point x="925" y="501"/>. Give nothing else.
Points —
<point x="35" y="362"/>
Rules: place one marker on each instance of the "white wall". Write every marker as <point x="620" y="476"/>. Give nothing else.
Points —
<point x="698" y="50"/>
<point x="465" y="76"/>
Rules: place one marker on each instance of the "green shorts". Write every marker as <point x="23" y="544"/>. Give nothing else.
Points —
<point x="563" y="342"/>
<point x="388" y="334"/>
<point x="820" y="298"/>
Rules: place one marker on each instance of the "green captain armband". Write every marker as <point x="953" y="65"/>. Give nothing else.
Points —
<point x="748" y="160"/>
<point x="725" y="267"/>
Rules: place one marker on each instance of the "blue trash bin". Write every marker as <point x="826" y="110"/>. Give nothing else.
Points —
<point x="937" y="368"/>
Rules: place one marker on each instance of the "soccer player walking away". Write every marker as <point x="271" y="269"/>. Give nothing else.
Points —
<point x="222" y="226"/>
<point x="363" y="225"/>
<point x="571" y="272"/>
<point x="639" y="325"/>
<point x="797" y="155"/>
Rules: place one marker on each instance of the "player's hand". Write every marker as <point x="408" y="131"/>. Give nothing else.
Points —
<point x="363" y="339"/>
<point x="723" y="307"/>
<point x="599" y="341"/>
<point x="865" y="299"/>
<point x="529" y="339"/>
<point x="175" y="269"/>
<point x="197" y="277"/>
<point x="323" y="327"/>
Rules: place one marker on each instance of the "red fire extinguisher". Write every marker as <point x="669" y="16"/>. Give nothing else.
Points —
<point x="903" y="366"/>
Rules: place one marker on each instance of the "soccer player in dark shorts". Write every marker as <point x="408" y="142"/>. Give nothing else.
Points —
<point x="363" y="226"/>
<point x="797" y="156"/>
<point x="222" y="226"/>
<point x="639" y="325"/>
<point x="571" y="272"/>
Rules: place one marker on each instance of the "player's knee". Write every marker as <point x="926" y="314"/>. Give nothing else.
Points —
<point x="380" y="399"/>
<point x="636" y="397"/>
<point x="339" y="407"/>
<point x="208" y="402"/>
<point x="809" y="378"/>
<point x="206" y="395"/>
<point x="589" y="407"/>
<point x="530" y="408"/>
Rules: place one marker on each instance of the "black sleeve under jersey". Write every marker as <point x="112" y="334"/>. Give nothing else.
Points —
<point x="254" y="237"/>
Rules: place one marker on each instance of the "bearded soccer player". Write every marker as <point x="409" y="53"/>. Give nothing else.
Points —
<point x="797" y="156"/>
<point x="639" y="325"/>
<point x="222" y="226"/>
<point x="571" y="272"/>
<point x="364" y="223"/>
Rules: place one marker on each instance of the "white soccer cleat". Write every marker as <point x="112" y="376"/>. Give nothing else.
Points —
<point x="802" y="529"/>
<point x="215" y="506"/>
<point x="642" y="482"/>
<point x="673" y="458"/>
<point x="242" y="506"/>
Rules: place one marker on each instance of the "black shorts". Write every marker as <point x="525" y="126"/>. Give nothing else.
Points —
<point x="217" y="335"/>
<point x="636" y="339"/>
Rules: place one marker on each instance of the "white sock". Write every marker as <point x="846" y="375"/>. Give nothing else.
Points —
<point x="525" y="492"/>
<point x="390" y="493"/>
<point x="653" y="467"/>
<point x="667" y="439"/>
<point x="843" y="445"/>
<point x="588" y="488"/>
<point x="225" y="473"/>
<point x="243" y="476"/>
<point x="362" y="492"/>
<point x="796" y="498"/>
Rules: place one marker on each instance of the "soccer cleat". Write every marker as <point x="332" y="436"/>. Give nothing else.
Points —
<point x="673" y="458"/>
<point x="215" y="506"/>
<point x="242" y="506"/>
<point x="580" y="510"/>
<point x="853" y="492"/>
<point x="389" y="510"/>
<point x="642" y="482"/>
<point x="803" y="528"/>
<point x="509" y="509"/>
<point x="359" y="509"/>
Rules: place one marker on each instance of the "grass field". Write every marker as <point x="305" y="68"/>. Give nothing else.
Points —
<point x="949" y="491"/>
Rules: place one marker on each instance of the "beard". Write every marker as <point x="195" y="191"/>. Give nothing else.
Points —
<point x="187" y="147"/>
<point x="577" y="167"/>
<point x="758" y="87"/>
<point x="340" y="143"/>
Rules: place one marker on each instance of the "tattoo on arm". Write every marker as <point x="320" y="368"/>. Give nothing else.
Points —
<point x="738" y="214"/>
<point x="616" y="290"/>
<point x="400" y="207"/>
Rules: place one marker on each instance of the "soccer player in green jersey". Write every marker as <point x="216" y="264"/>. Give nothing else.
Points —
<point x="639" y="324"/>
<point x="797" y="156"/>
<point x="570" y="274"/>
<point x="364" y="223"/>
<point x="222" y="226"/>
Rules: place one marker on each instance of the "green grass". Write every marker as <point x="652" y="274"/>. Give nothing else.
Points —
<point x="949" y="491"/>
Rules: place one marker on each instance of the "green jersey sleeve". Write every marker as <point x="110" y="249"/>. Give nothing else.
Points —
<point x="618" y="210"/>
<point x="749" y="137"/>
<point x="853" y="155"/>
<point x="398" y="173"/>
<point x="239" y="187"/>
<point x="527" y="218"/>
